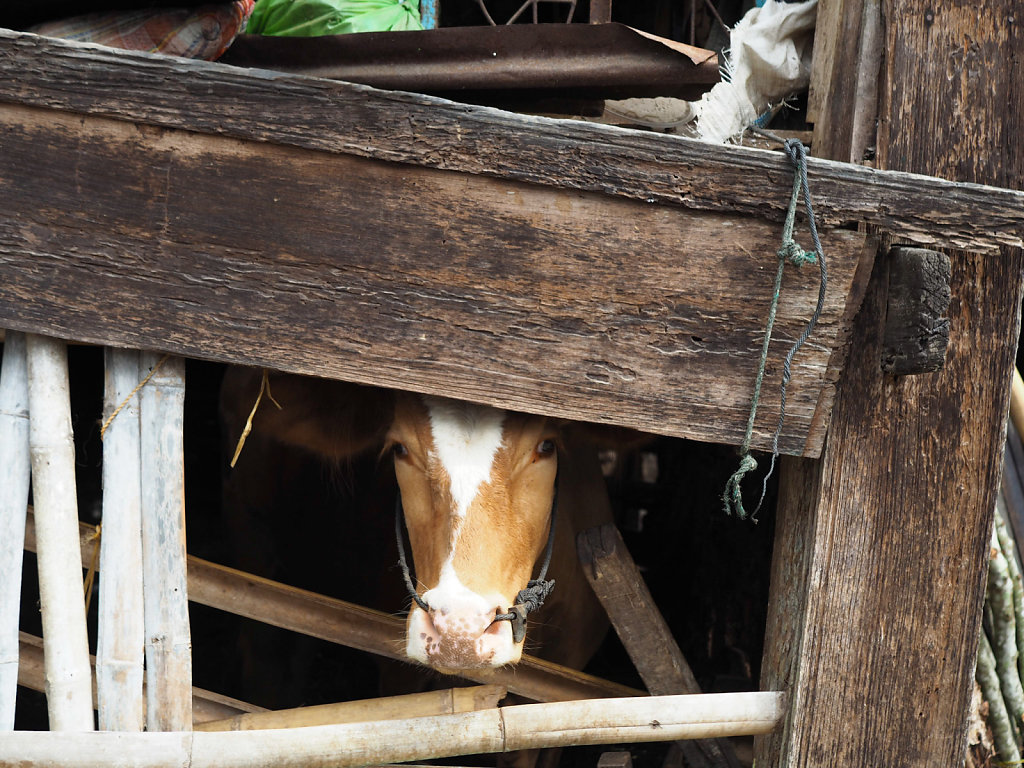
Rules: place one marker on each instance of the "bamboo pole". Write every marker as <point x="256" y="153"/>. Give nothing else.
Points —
<point x="998" y="718"/>
<point x="65" y="642"/>
<point x="444" y="702"/>
<point x="207" y="706"/>
<point x="373" y="631"/>
<point x="1017" y="402"/>
<point x="1009" y="549"/>
<point x="1004" y="630"/>
<point x="597" y="721"/>
<point x="168" y="637"/>
<point x="15" y="471"/>
<point x="121" y="628"/>
<point x="337" y="621"/>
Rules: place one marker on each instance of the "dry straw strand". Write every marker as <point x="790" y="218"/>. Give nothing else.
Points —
<point x="264" y="387"/>
<point x="141" y="384"/>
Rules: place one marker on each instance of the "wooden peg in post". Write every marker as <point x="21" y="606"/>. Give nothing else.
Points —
<point x="917" y="312"/>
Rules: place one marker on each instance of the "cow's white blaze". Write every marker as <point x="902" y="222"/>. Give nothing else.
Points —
<point x="466" y="439"/>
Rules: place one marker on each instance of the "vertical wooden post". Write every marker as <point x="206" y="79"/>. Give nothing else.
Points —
<point x="168" y="639"/>
<point x="881" y="546"/>
<point x="65" y="642"/>
<point x="121" y="632"/>
<point x="15" y="471"/>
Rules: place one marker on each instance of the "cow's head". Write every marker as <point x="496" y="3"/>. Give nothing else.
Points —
<point x="477" y="487"/>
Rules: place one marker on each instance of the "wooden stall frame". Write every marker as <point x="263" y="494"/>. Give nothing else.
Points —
<point x="851" y="556"/>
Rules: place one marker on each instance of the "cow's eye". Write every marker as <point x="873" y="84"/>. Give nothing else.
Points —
<point x="546" y="448"/>
<point x="399" y="451"/>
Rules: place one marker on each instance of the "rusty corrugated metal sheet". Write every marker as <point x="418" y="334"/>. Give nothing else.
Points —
<point x="583" y="61"/>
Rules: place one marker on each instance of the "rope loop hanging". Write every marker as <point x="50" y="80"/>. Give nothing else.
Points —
<point x="790" y="251"/>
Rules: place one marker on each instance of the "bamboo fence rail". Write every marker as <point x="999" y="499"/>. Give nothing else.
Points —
<point x="444" y="702"/>
<point x="528" y="726"/>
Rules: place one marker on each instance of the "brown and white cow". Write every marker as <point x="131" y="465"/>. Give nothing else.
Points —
<point x="477" y="486"/>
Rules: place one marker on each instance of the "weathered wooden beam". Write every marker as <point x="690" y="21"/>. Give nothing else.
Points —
<point x="259" y="105"/>
<point x="337" y="621"/>
<point x="576" y="305"/>
<point x="916" y="312"/>
<point x="843" y="96"/>
<point x="882" y="545"/>
<point x="644" y="633"/>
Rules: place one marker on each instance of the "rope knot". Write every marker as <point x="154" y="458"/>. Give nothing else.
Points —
<point x="732" y="497"/>
<point x="536" y="592"/>
<point x="795" y="255"/>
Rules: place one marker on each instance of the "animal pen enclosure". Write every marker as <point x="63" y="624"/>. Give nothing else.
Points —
<point x="499" y="263"/>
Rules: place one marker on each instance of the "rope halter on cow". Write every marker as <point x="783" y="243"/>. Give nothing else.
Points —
<point x="527" y="601"/>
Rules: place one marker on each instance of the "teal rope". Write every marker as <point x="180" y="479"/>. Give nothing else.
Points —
<point x="732" y="496"/>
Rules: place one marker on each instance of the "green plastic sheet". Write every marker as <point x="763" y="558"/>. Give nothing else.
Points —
<point x="314" y="18"/>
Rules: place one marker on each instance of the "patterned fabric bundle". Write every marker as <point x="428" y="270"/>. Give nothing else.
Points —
<point x="195" y="33"/>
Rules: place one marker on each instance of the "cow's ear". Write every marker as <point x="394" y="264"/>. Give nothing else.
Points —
<point x="334" y="419"/>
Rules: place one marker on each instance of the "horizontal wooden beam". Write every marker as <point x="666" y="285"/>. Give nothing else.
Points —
<point x="354" y="626"/>
<point x="336" y="117"/>
<point x="575" y="305"/>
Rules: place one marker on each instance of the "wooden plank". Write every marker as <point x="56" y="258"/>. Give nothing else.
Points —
<point x="419" y="130"/>
<point x="827" y="32"/>
<point x="844" y="85"/>
<point x="207" y="706"/>
<point x="644" y="633"/>
<point x="337" y="621"/>
<point x="877" y="595"/>
<point x="574" y="305"/>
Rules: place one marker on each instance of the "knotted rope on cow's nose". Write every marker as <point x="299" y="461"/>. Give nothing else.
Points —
<point x="527" y="601"/>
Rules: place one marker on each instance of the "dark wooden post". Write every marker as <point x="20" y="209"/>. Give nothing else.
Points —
<point x="881" y="545"/>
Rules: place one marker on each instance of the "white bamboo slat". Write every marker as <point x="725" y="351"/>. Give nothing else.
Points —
<point x="15" y="471"/>
<point x="121" y="629"/>
<point x="595" y="721"/>
<point x="65" y="642"/>
<point x="168" y="638"/>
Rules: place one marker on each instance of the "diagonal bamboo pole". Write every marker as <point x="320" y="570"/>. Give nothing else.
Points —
<point x="337" y="621"/>
<point x="65" y="643"/>
<point x="121" y="629"/>
<point x="15" y="471"/>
